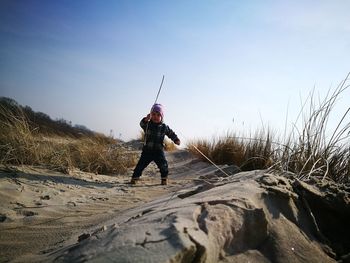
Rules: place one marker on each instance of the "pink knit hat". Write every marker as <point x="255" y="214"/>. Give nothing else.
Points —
<point x="158" y="108"/>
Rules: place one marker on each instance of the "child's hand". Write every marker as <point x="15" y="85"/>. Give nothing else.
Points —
<point x="148" y="117"/>
<point x="177" y="142"/>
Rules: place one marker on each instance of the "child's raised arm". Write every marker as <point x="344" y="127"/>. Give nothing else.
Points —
<point x="144" y="121"/>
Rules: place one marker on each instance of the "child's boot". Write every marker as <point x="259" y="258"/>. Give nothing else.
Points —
<point x="164" y="181"/>
<point x="134" y="181"/>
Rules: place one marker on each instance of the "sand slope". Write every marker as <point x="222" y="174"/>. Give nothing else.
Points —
<point x="40" y="209"/>
<point x="246" y="217"/>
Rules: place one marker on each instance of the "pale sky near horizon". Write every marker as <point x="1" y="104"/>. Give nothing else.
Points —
<point x="100" y="63"/>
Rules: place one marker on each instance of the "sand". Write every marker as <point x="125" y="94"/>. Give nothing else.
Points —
<point x="40" y="209"/>
<point x="49" y="216"/>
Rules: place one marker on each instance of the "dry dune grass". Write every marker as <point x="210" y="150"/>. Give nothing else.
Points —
<point x="248" y="153"/>
<point x="309" y="151"/>
<point x="20" y="144"/>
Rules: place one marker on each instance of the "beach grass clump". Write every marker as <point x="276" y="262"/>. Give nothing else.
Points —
<point x="94" y="155"/>
<point x="249" y="153"/>
<point x="21" y="144"/>
<point x="17" y="139"/>
<point x="315" y="149"/>
<point x="310" y="149"/>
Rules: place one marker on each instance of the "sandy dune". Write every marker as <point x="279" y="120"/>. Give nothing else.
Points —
<point x="41" y="209"/>
<point x="200" y="217"/>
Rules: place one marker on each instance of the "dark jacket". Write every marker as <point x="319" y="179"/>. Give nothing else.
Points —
<point x="155" y="133"/>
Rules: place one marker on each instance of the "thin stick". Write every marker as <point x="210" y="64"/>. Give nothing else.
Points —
<point x="210" y="160"/>
<point x="160" y="88"/>
<point x="161" y="84"/>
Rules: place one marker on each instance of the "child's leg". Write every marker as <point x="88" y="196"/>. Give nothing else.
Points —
<point x="162" y="164"/>
<point x="144" y="161"/>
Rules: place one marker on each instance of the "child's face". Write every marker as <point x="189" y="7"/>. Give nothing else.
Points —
<point x="156" y="117"/>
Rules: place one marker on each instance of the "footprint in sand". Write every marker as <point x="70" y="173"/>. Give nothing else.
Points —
<point x="71" y="203"/>
<point x="45" y="197"/>
<point x="2" y="218"/>
<point x="26" y="213"/>
<point x="38" y="203"/>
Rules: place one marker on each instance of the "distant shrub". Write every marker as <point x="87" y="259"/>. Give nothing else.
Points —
<point x="42" y="121"/>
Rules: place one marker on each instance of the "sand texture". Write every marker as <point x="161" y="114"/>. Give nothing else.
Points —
<point x="202" y="216"/>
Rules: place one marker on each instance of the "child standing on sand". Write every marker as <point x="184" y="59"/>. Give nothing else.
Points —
<point x="153" y="150"/>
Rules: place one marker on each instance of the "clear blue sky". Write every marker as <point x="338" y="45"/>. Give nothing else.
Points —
<point x="100" y="63"/>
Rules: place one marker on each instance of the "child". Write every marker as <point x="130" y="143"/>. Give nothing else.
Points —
<point x="153" y="149"/>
